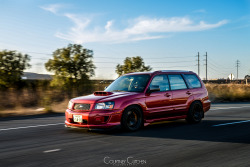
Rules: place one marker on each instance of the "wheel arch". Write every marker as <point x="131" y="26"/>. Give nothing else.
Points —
<point x="197" y="100"/>
<point x="136" y="105"/>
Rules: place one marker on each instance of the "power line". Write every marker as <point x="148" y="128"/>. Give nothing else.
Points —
<point x="105" y="57"/>
<point x="218" y="64"/>
<point x="152" y="62"/>
<point x="153" y="66"/>
<point x="216" y="71"/>
<point x="172" y="66"/>
<point x="221" y="68"/>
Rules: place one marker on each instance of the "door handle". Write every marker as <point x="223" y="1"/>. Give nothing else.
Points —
<point x="167" y="95"/>
<point x="189" y="93"/>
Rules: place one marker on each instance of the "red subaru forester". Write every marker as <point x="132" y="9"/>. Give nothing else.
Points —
<point x="138" y="99"/>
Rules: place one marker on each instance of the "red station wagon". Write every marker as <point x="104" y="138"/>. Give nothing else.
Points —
<point x="138" y="99"/>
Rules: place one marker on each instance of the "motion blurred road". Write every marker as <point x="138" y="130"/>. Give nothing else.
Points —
<point x="221" y="139"/>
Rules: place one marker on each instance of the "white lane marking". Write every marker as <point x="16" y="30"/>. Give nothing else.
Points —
<point x="33" y="126"/>
<point x="231" y="123"/>
<point x="224" y="108"/>
<point x="54" y="150"/>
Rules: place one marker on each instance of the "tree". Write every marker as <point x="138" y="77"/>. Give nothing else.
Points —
<point x="247" y="76"/>
<point x="73" y="66"/>
<point x="12" y="65"/>
<point x="132" y="64"/>
<point x="73" y="62"/>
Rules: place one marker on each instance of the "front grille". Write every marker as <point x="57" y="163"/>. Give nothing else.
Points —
<point x="81" y="106"/>
<point x="84" y="122"/>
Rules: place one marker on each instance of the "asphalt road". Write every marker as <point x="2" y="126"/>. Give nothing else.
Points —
<point x="221" y="139"/>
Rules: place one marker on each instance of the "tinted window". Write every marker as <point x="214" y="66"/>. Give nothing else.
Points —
<point x="177" y="82"/>
<point x="129" y="83"/>
<point x="161" y="81"/>
<point x="193" y="80"/>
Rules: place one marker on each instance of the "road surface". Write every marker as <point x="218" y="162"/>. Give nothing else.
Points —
<point x="221" y="139"/>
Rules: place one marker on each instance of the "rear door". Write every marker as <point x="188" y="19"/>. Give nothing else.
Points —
<point x="159" y="103"/>
<point x="195" y="85"/>
<point x="180" y="93"/>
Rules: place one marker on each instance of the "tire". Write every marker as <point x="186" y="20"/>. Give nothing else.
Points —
<point x="195" y="113"/>
<point x="132" y="118"/>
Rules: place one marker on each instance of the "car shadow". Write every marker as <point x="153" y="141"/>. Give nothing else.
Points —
<point x="180" y="129"/>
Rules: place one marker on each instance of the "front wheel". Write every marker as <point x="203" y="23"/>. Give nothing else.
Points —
<point x="195" y="113"/>
<point x="131" y="118"/>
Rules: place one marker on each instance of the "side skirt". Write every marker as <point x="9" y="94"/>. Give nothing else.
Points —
<point x="147" y="122"/>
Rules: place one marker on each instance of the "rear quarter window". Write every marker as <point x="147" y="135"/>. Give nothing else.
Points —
<point x="193" y="80"/>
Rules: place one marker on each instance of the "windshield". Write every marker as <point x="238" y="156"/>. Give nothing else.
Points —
<point x="129" y="83"/>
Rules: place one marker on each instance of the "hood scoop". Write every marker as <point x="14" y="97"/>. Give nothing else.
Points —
<point x="102" y="93"/>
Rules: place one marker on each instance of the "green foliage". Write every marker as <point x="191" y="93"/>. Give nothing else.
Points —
<point x="12" y="65"/>
<point x="74" y="62"/>
<point x="132" y="64"/>
<point x="73" y="66"/>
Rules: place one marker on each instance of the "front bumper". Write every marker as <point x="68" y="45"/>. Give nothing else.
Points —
<point x="96" y="119"/>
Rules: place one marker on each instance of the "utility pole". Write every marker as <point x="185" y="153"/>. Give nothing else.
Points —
<point x="206" y="65"/>
<point x="237" y="65"/>
<point x="198" y="64"/>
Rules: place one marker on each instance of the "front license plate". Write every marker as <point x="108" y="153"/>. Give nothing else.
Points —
<point x="77" y="118"/>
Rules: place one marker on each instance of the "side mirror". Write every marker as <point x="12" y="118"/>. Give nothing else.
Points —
<point x="153" y="88"/>
<point x="105" y="87"/>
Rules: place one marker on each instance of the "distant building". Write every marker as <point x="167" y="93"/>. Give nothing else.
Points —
<point x="247" y="77"/>
<point x="35" y="76"/>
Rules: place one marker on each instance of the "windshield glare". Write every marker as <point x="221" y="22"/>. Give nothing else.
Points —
<point x="129" y="83"/>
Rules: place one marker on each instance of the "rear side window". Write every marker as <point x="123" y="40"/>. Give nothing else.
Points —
<point x="161" y="81"/>
<point x="193" y="80"/>
<point x="177" y="82"/>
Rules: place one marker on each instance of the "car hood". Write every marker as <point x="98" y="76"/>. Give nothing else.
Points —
<point x="95" y="98"/>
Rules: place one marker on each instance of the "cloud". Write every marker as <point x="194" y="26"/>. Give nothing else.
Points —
<point x="141" y="28"/>
<point x="53" y="8"/>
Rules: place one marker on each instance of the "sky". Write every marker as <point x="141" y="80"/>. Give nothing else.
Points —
<point x="167" y="34"/>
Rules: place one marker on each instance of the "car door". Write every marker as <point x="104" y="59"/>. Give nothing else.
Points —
<point x="159" y="103"/>
<point x="194" y="85"/>
<point x="180" y="94"/>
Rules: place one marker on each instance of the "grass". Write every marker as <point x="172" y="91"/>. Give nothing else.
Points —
<point x="39" y="100"/>
<point x="228" y="92"/>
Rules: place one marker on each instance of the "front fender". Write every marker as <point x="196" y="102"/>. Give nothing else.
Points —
<point x="140" y="102"/>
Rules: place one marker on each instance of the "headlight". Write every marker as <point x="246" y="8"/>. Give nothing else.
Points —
<point x="70" y="105"/>
<point x="105" y="105"/>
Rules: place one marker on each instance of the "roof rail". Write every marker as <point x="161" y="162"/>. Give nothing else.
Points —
<point x="173" y="71"/>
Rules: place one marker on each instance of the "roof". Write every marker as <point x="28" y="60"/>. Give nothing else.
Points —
<point x="35" y="76"/>
<point x="174" y="71"/>
<point x="152" y="72"/>
<point x="148" y="72"/>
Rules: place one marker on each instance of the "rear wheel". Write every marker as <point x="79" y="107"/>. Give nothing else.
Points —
<point x="195" y="113"/>
<point x="131" y="118"/>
